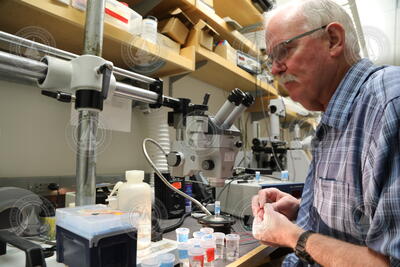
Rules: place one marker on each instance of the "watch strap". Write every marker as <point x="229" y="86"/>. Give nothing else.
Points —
<point x="300" y="249"/>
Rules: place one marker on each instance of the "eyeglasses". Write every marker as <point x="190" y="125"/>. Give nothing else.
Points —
<point x="280" y="51"/>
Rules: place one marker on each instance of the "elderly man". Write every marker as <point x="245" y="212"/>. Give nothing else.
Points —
<point x="349" y="214"/>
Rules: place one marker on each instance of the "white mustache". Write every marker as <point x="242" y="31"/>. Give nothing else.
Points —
<point x="287" y="78"/>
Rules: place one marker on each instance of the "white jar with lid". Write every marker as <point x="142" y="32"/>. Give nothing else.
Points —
<point x="135" y="196"/>
<point x="149" y="29"/>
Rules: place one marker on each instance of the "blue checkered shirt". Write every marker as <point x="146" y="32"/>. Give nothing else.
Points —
<point x="352" y="191"/>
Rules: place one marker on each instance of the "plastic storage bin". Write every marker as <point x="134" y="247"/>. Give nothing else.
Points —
<point x="117" y="14"/>
<point x="95" y="236"/>
<point x="121" y="16"/>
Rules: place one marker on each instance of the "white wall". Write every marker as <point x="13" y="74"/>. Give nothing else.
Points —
<point x="35" y="137"/>
<point x="381" y="31"/>
<point x="35" y="132"/>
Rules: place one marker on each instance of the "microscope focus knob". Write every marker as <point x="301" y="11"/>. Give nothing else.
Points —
<point x="208" y="165"/>
<point x="239" y="144"/>
<point x="174" y="159"/>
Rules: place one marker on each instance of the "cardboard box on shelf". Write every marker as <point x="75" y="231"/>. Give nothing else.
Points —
<point x="202" y="34"/>
<point x="168" y="43"/>
<point x="176" y="26"/>
<point x="225" y="50"/>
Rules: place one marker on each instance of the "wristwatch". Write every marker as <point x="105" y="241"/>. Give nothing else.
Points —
<point x="300" y="249"/>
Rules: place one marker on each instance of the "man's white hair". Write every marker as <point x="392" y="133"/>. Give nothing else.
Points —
<point x="322" y="12"/>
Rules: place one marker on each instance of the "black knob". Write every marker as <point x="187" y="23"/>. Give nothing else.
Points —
<point x="208" y="165"/>
<point x="205" y="99"/>
<point x="174" y="159"/>
<point x="239" y="144"/>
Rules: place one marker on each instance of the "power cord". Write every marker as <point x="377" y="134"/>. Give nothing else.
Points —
<point x="161" y="176"/>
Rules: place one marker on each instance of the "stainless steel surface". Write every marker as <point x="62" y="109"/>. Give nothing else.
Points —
<point x="133" y="75"/>
<point x="135" y="93"/>
<point x="86" y="158"/>
<point x="94" y="26"/>
<point x="19" y="41"/>
<point x="88" y="120"/>
<point x="16" y="65"/>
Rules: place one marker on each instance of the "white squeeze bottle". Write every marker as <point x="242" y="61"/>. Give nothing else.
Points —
<point x="135" y="196"/>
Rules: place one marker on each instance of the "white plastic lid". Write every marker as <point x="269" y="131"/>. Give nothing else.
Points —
<point x="167" y="258"/>
<point x="208" y="241"/>
<point x="154" y="261"/>
<point x="207" y="230"/>
<point x="218" y="235"/>
<point x="196" y="251"/>
<point x="135" y="176"/>
<point x="198" y="234"/>
<point x="232" y="237"/>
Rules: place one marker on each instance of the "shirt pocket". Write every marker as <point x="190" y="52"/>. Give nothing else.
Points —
<point x="333" y="207"/>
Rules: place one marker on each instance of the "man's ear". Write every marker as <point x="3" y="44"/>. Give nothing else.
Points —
<point x="336" y="38"/>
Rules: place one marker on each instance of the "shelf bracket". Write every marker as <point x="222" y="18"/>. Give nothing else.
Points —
<point x="145" y="6"/>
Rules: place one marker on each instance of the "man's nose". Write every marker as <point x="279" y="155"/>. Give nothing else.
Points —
<point x="278" y="68"/>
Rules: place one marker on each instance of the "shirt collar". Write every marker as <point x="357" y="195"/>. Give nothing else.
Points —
<point x="340" y="106"/>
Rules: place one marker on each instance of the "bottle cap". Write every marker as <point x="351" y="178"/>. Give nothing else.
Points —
<point x="135" y="176"/>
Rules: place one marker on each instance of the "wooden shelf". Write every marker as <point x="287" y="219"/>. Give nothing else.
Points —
<point x="224" y="74"/>
<point x="243" y="11"/>
<point x="197" y="11"/>
<point x="66" y="25"/>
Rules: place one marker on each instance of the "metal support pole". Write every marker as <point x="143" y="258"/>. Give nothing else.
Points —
<point x="88" y="119"/>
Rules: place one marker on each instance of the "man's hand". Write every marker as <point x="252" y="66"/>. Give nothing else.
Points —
<point x="281" y="202"/>
<point x="275" y="229"/>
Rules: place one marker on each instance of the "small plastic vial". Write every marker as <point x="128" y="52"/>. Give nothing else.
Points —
<point x="196" y="257"/>
<point x="232" y="247"/>
<point x="183" y="254"/>
<point x="149" y="29"/>
<point x="217" y="208"/>
<point x="257" y="178"/>
<point x="208" y="243"/>
<point x="167" y="260"/>
<point x="182" y="235"/>
<point x="219" y="245"/>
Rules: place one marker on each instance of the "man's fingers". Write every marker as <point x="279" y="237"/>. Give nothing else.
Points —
<point x="255" y="206"/>
<point x="262" y="197"/>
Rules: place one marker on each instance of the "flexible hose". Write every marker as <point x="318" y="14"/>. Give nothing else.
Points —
<point x="164" y="179"/>
<point x="176" y="225"/>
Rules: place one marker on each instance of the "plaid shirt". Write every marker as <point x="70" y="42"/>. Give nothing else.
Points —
<point x="352" y="191"/>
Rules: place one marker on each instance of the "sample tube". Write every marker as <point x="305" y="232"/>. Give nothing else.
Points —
<point x="167" y="260"/>
<point x="182" y="235"/>
<point x="217" y="208"/>
<point x="183" y="254"/>
<point x="219" y="245"/>
<point x="234" y="99"/>
<point x="232" y="247"/>
<point x="208" y="243"/>
<point x="196" y="257"/>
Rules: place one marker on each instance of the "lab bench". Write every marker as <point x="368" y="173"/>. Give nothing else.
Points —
<point x="250" y="249"/>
